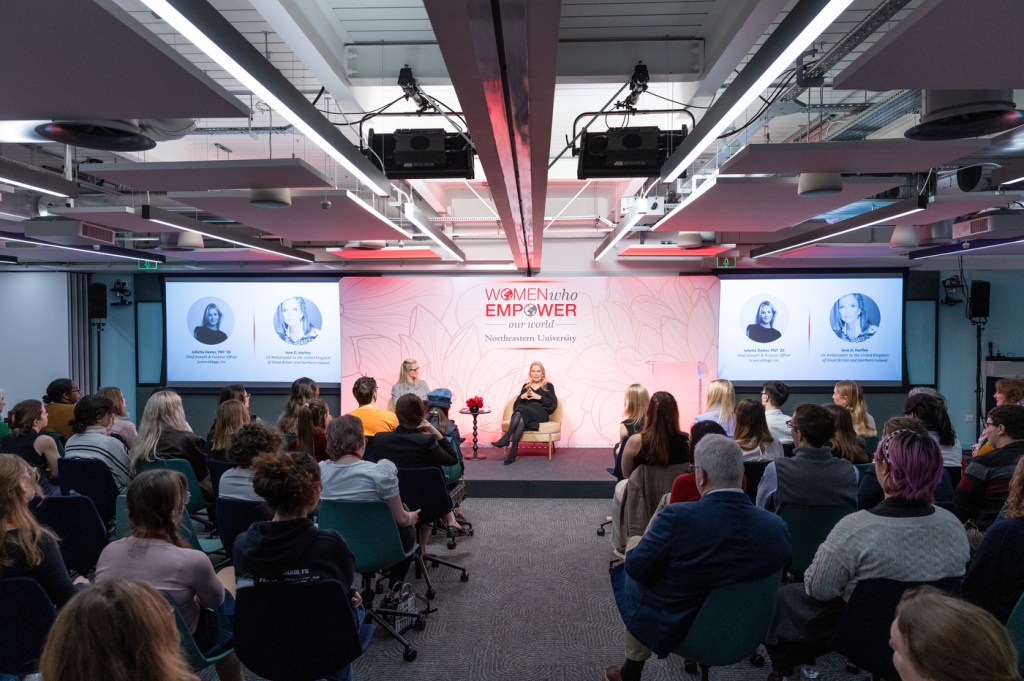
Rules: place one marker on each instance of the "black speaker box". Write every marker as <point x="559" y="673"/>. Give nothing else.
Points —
<point x="97" y="301"/>
<point x="977" y="306"/>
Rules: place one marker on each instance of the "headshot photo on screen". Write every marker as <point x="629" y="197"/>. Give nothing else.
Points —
<point x="209" y="319"/>
<point x="855" y="317"/>
<point x="766" y="320"/>
<point x="297" y="321"/>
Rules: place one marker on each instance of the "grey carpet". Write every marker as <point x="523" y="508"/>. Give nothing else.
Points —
<point x="538" y="605"/>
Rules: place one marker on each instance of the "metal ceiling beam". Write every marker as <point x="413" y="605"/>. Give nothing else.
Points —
<point x="502" y="59"/>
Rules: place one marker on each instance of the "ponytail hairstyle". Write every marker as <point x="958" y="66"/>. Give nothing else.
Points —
<point x="311" y="418"/>
<point x="156" y="502"/>
<point x="303" y="390"/>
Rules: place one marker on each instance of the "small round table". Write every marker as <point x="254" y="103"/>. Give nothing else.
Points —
<point x="474" y="414"/>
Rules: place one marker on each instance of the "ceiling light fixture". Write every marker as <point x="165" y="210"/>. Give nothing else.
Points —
<point x="380" y="216"/>
<point x="208" y="30"/>
<point x="874" y="217"/>
<point x="36" y="180"/>
<point x="180" y="222"/>
<point x="697" y="192"/>
<point x="615" y="236"/>
<point x="798" y="30"/>
<point x="98" y="249"/>
<point x="271" y="197"/>
<point x="963" y="247"/>
<point x="819" y="184"/>
<point x="417" y="217"/>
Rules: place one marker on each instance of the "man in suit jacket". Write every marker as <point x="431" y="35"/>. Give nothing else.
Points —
<point x="690" y="549"/>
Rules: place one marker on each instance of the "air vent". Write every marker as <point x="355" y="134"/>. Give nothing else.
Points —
<point x="69" y="232"/>
<point x="988" y="225"/>
<point x="97" y="233"/>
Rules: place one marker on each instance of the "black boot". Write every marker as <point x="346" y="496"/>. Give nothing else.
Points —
<point x="511" y="453"/>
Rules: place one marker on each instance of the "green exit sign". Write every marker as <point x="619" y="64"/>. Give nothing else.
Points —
<point x="148" y="264"/>
<point x="726" y="262"/>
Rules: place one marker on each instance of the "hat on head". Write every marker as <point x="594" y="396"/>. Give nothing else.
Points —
<point x="442" y="397"/>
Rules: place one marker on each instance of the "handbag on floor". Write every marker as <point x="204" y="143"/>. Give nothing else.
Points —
<point x="405" y="600"/>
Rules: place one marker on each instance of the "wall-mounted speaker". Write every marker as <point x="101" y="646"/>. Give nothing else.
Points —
<point x="97" y="301"/>
<point x="977" y="306"/>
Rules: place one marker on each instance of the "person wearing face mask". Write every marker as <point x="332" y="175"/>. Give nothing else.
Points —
<point x="94" y="416"/>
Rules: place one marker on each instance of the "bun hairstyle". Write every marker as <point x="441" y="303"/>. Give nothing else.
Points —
<point x="23" y="416"/>
<point x="57" y="389"/>
<point x="288" y="482"/>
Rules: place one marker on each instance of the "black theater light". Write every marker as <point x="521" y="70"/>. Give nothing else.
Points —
<point x="626" y="152"/>
<point x="421" y="154"/>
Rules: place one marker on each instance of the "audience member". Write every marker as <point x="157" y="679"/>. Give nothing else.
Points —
<point x="373" y="418"/>
<point x="409" y="381"/>
<point x="1008" y="391"/>
<point x="905" y="538"/>
<point x="995" y="578"/>
<point x="116" y="631"/>
<point x="93" y="417"/>
<point x="844" y="441"/>
<point x="935" y="637"/>
<point x="155" y="553"/>
<point x="636" y="401"/>
<point x="303" y="390"/>
<point x="249" y="442"/>
<point x="684" y="488"/>
<point x="985" y="483"/>
<point x="773" y="395"/>
<point x="848" y="394"/>
<point x="689" y="550"/>
<point x="231" y="415"/>
<point x="438" y="403"/>
<point x="415" y="442"/>
<point x="27" y="549"/>
<point x="121" y="427"/>
<point x="931" y="411"/>
<point x="659" y="445"/>
<point x="753" y="435"/>
<point x="28" y="419"/>
<point x="164" y="434"/>
<point x="236" y="391"/>
<point x="345" y="476"/>
<point x="869" y="491"/>
<point x="289" y="548"/>
<point x="60" y="398"/>
<point x="311" y="429"/>
<point x="812" y="477"/>
<point x="721" y="404"/>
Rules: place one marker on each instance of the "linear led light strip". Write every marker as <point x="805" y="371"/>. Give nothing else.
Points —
<point x="32" y="187"/>
<point x="412" y="216"/>
<point x="623" y="229"/>
<point x="221" y="237"/>
<point x="822" y="237"/>
<point x="693" y="196"/>
<point x="380" y="216"/>
<point x="186" y="28"/>
<point x="93" y="251"/>
<point x="824" y="17"/>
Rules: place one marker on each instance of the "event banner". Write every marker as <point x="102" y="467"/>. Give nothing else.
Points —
<point x="477" y="336"/>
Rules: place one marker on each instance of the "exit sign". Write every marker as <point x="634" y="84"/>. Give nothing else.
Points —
<point x="726" y="262"/>
<point x="152" y="264"/>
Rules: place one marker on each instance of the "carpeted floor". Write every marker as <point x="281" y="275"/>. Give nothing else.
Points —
<point x="537" y="607"/>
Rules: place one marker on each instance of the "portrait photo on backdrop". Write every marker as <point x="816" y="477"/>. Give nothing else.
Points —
<point x="297" y="321"/>
<point x="855" y="317"/>
<point x="210" y="321"/>
<point x="766" y="316"/>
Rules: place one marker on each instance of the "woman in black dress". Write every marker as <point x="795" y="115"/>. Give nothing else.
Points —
<point x="209" y="333"/>
<point x="534" y="405"/>
<point x="763" y="329"/>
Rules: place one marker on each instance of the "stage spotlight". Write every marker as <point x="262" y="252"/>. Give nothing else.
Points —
<point x="626" y="152"/>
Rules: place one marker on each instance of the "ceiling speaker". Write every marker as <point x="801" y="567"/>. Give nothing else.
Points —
<point x="270" y="198"/>
<point x="819" y="184"/>
<point x="959" y="114"/>
<point x="904" y="236"/>
<point x="689" y="240"/>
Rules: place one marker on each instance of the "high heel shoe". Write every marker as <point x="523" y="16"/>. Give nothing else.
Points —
<point x="511" y="454"/>
<point x="500" y="444"/>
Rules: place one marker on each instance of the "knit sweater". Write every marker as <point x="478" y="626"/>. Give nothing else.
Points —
<point x="813" y="477"/>
<point x="865" y="545"/>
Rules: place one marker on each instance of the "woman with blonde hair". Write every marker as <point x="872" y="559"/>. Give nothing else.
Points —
<point x="636" y="401"/>
<point x="409" y="381"/>
<point x="533" y="406"/>
<point x="28" y="419"/>
<point x="121" y="427"/>
<point x="27" y="549"/>
<point x="164" y="434"/>
<point x="116" y="631"/>
<point x="311" y="430"/>
<point x="845" y="443"/>
<point x="303" y="390"/>
<point x="936" y="637"/>
<point x="721" y="406"/>
<point x="231" y="415"/>
<point x="849" y="395"/>
<point x="155" y="553"/>
<point x="753" y="435"/>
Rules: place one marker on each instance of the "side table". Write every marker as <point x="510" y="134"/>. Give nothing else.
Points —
<point x="474" y="414"/>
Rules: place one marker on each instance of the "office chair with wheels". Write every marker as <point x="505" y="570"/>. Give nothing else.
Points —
<point x="808" y="528"/>
<point x="425" y="488"/>
<point x="235" y="516"/>
<point x="90" y="478"/>
<point x="83" y="536"/>
<point x="26" y="615"/>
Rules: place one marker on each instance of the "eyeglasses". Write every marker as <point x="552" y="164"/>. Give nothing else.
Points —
<point x="989" y="424"/>
<point x="188" y="497"/>
<point x="789" y="424"/>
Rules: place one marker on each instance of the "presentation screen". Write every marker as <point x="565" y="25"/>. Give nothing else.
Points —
<point x="811" y="330"/>
<point x="253" y="332"/>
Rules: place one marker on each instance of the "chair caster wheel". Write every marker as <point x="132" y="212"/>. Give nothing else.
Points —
<point x="409" y="655"/>
<point x="464" y="577"/>
<point x="420" y="624"/>
<point x="691" y="667"/>
<point x="757" y="659"/>
<point x="600" y="532"/>
<point x="451" y="544"/>
<point x="431" y="594"/>
<point x="433" y="563"/>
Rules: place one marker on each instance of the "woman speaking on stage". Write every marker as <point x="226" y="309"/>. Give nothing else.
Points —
<point x="533" y="406"/>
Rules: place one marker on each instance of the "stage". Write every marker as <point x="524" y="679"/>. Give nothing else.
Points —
<point x="573" y="473"/>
